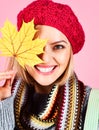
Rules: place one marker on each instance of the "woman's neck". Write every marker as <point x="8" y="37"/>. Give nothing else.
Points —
<point x="42" y="89"/>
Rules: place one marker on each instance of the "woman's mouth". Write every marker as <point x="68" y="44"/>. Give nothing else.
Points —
<point x="45" y="69"/>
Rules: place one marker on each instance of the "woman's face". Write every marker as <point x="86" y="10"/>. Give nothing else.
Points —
<point x="56" y="56"/>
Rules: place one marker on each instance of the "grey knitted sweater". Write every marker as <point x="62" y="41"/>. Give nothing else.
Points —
<point x="7" y="120"/>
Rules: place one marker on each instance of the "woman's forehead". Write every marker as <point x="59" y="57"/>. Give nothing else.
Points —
<point x="50" y="33"/>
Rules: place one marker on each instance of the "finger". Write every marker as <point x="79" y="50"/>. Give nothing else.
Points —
<point x="6" y="75"/>
<point x="7" y="72"/>
<point x="7" y="83"/>
<point x="13" y="76"/>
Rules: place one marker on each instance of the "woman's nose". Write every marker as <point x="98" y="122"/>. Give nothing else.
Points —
<point x="45" y="57"/>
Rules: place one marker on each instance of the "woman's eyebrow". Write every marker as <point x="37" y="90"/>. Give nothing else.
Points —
<point x="59" y="42"/>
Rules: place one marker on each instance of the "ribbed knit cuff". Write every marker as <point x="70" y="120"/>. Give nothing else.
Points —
<point x="7" y="121"/>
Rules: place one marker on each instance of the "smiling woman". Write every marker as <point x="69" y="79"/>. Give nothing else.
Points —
<point x="56" y="56"/>
<point x="48" y="95"/>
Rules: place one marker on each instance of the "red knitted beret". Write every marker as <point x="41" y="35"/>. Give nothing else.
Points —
<point x="60" y="16"/>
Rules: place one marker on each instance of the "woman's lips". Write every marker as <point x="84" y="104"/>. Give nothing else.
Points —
<point x="45" y="69"/>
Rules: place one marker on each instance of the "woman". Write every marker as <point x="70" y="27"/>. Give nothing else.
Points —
<point x="48" y="95"/>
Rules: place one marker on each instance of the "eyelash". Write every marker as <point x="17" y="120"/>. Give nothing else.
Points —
<point x="57" y="47"/>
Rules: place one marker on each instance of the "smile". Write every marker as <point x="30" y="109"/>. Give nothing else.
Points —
<point x="45" y="69"/>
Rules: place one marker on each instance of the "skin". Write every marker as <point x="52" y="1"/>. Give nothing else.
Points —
<point x="56" y="57"/>
<point x="5" y="89"/>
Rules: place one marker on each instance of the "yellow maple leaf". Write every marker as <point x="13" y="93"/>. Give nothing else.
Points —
<point x="20" y="44"/>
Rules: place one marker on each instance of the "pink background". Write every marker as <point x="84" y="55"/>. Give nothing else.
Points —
<point x="87" y="61"/>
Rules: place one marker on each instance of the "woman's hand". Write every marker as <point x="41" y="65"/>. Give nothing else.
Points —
<point x="5" y="90"/>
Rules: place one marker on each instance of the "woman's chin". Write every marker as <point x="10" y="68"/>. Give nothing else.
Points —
<point x="45" y="84"/>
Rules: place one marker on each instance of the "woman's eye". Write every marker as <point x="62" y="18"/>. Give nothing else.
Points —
<point x="58" y="47"/>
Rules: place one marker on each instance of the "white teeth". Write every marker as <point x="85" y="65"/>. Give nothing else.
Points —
<point x="45" y="69"/>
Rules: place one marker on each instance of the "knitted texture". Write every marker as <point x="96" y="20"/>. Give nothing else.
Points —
<point x="60" y="16"/>
<point x="63" y="107"/>
<point x="7" y="121"/>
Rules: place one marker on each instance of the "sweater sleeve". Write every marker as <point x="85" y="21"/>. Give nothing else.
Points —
<point x="7" y="121"/>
